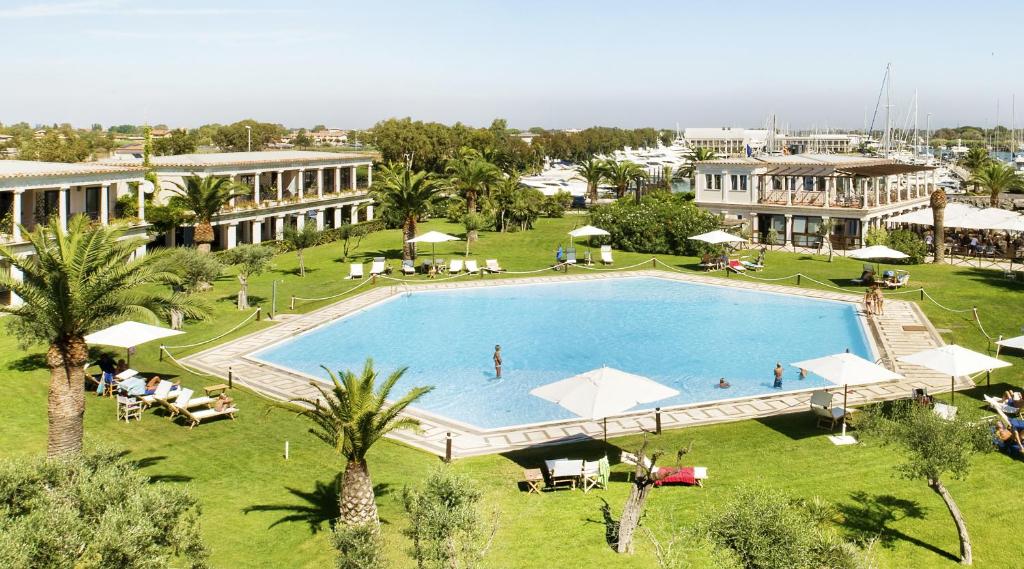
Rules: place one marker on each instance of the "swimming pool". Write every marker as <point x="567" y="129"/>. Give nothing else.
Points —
<point x="681" y="334"/>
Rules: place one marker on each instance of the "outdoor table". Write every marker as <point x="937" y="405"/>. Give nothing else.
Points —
<point x="534" y="480"/>
<point x="212" y="390"/>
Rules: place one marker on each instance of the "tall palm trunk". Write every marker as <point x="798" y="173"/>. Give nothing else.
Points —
<point x="203" y="236"/>
<point x="470" y="201"/>
<point x="966" y="557"/>
<point x="409" y="232"/>
<point x="592" y="192"/>
<point x="66" y="399"/>
<point x="357" y="502"/>
<point x="938" y="203"/>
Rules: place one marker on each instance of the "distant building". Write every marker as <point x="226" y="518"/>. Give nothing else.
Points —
<point x="821" y="143"/>
<point x="129" y="152"/>
<point x="794" y="194"/>
<point x="330" y="136"/>
<point x="5" y="138"/>
<point x="726" y="141"/>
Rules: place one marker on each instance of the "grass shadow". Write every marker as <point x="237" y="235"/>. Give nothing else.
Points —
<point x="148" y="461"/>
<point x="868" y="517"/>
<point x="30" y="362"/>
<point x="991" y="277"/>
<point x="254" y="300"/>
<point x="574" y="447"/>
<point x="796" y="426"/>
<point x="317" y="507"/>
<point x="611" y="525"/>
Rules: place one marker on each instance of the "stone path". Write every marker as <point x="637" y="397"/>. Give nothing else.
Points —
<point x="901" y="331"/>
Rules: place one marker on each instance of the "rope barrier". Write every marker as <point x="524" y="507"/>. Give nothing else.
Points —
<point x="937" y="303"/>
<point x="294" y="298"/>
<point x="183" y="366"/>
<point x="616" y="268"/>
<point x="237" y="326"/>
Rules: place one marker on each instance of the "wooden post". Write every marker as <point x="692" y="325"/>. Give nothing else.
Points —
<point x="162" y="352"/>
<point x="922" y="293"/>
<point x="654" y="262"/>
<point x="657" y="420"/>
<point x="798" y="279"/>
<point x="291" y="304"/>
<point x="259" y="312"/>
<point x="231" y="377"/>
<point x="447" y="447"/>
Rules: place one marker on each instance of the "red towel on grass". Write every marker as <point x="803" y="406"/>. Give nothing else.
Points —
<point x="676" y="476"/>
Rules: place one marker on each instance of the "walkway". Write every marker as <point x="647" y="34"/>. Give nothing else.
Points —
<point x="901" y="331"/>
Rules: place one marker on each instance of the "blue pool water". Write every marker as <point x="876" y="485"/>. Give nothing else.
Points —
<point x="680" y="334"/>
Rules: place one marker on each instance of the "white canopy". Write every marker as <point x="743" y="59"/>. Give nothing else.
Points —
<point x="432" y="237"/>
<point x="129" y="334"/>
<point x="602" y="392"/>
<point x="953" y="361"/>
<point x="847" y="369"/>
<point x="587" y="231"/>
<point x="1010" y="225"/>
<point x="877" y="252"/>
<point x="964" y="216"/>
<point x="1017" y="343"/>
<point x="953" y="212"/>
<point x="718" y="236"/>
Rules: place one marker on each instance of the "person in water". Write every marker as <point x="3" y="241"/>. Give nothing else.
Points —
<point x="723" y="384"/>
<point x="778" y="375"/>
<point x="803" y="374"/>
<point x="497" y="361"/>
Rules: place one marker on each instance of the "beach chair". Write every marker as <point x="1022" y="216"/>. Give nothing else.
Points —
<point x="570" y="256"/>
<point x="632" y="460"/>
<point x="735" y="266"/>
<point x="355" y="271"/>
<point x="821" y="406"/>
<point x="901" y="278"/>
<point x="606" y="254"/>
<point x="997" y="404"/>
<point x="471" y="267"/>
<point x="751" y="266"/>
<point x="128" y="408"/>
<point x="407" y="267"/>
<point x="193" y="418"/>
<point x="595" y="474"/>
<point x="161" y="393"/>
<point x="947" y="412"/>
<point x="185" y="401"/>
<point x="867" y="275"/>
<point x="379" y="266"/>
<point x="493" y="266"/>
<point x="455" y="267"/>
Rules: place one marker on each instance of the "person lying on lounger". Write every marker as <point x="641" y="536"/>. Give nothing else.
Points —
<point x="223" y="402"/>
<point x="1008" y="438"/>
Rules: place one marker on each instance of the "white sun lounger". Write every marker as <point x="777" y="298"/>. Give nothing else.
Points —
<point x="606" y="254"/>
<point x="408" y="268"/>
<point x="193" y="418"/>
<point x="184" y="401"/>
<point x="471" y="267"/>
<point x="355" y="271"/>
<point x="161" y="393"/>
<point x="455" y="267"/>
<point x="378" y="267"/>
<point x="493" y="266"/>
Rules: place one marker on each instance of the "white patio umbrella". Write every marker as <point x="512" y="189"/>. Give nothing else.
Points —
<point x="602" y="392"/>
<point x="1017" y="343"/>
<point x="129" y="334"/>
<point x="847" y="369"/>
<point x="876" y="252"/>
<point x="432" y="237"/>
<point x="586" y="231"/>
<point x="717" y="237"/>
<point x="953" y="360"/>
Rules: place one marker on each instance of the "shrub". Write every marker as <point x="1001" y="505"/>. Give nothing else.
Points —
<point x="876" y="236"/>
<point x="908" y="242"/>
<point x="454" y="208"/>
<point x="196" y="270"/>
<point x="95" y="510"/>
<point x="339" y="234"/>
<point x="557" y="204"/>
<point x="661" y="223"/>
<point x="359" y="547"/>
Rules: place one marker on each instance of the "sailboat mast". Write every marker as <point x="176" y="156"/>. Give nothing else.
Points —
<point x="887" y="136"/>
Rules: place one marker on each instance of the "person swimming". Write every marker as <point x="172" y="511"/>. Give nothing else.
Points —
<point x="497" y="361"/>
<point x="723" y="384"/>
<point x="778" y="376"/>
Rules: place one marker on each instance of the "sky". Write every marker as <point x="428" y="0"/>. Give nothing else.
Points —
<point x="556" y="64"/>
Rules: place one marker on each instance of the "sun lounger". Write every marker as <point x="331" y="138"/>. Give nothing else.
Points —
<point x="997" y="403"/>
<point x="379" y="266"/>
<point x="407" y="267"/>
<point x="685" y="476"/>
<point x="564" y="471"/>
<point x="901" y="278"/>
<point x="570" y="256"/>
<point x="1017" y="424"/>
<point x="455" y="267"/>
<point x="193" y="418"/>
<point x="162" y="392"/>
<point x="751" y="266"/>
<point x="471" y="267"/>
<point x="355" y="271"/>
<point x="821" y="406"/>
<point x="736" y="267"/>
<point x="185" y="401"/>
<point x="493" y="266"/>
<point x="606" y="254"/>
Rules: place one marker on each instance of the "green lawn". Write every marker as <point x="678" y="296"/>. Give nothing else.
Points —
<point x="263" y="511"/>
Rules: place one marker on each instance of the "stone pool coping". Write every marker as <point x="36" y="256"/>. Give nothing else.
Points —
<point x="886" y="333"/>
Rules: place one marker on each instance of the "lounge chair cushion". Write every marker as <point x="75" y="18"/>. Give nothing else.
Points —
<point x="211" y="412"/>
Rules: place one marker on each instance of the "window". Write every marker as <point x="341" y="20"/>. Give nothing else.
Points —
<point x="708" y="182"/>
<point x="805" y="231"/>
<point x="92" y="202"/>
<point x="718" y="181"/>
<point x="734" y="182"/>
<point x="743" y="183"/>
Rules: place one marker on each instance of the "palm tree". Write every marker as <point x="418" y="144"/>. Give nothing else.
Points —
<point x="938" y="203"/>
<point x="974" y="160"/>
<point x="408" y="194"/>
<point x="592" y="172"/>
<point x="996" y="177"/>
<point x="700" y="154"/>
<point x="79" y="280"/>
<point x="300" y="240"/>
<point x="621" y="174"/>
<point x="472" y="176"/>
<point x="204" y="197"/>
<point x="350" y="417"/>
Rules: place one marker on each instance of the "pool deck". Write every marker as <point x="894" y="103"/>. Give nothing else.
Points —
<point x="903" y="330"/>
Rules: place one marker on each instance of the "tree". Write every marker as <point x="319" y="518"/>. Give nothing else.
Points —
<point x="995" y="177"/>
<point x="235" y="137"/>
<point x="591" y="171"/>
<point x="78" y="281"/>
<point x="445" y="522"/>
<point x="632" y="511"/>
<point x="473" y="223"/>
<point x="249" y="260"/>
<point x="300" y="240"/>
<point x="351" y="417"/>
<point x="204" y="197"/>
<point x="472" y="176"/>
<point x="92" y="511"/>
<point x="825" y="234"/>
<point x="348" y="232"/>
<point x="975" y="158"/>
<point x="302" y="139"/>
<point x="933" y="447"/>
<point x="407" y="195"/>
<point x="196" y="271"/>
<point x="938" y="202"/>
<point x="57" y="145"/>
<point x="622" y="174"/>
<point x="700" y="154"/>
<point x="359" y="547"/>
<point x="180" y="141"/>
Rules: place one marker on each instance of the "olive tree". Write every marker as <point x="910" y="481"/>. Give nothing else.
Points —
<point x="249" y="261"/>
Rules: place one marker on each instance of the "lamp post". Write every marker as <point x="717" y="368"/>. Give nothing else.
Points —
<point x="248" y="136"/>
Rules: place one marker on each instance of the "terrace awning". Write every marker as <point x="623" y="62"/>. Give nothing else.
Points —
<point x="890" y="169"/>
<point x="800" y="170"/>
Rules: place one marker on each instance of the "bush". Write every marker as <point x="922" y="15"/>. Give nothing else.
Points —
<point x="454" y="209"/>
<point x="557" y="204"/>
<point x="339" y="234"/>
<point x="359" y="547"/>
<point x="196" y="270"/>
<point x="908" y="242"/>
<point x="876" y="236"/>
<point x="661" y="223"/>
<point x="95" y="510"/>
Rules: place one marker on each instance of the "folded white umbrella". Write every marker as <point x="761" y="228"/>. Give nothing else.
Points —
<point x="847" y="369"/>
<point x="717" y="237"/>
<point x="953" y="360"/>
<point x="600" y="393"/>
<point x="129" y="334"/>
<point x="432" y="237"/>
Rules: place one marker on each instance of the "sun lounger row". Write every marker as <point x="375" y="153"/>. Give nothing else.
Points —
<point x="178" y="401"/>
<point x="457" y="266"/>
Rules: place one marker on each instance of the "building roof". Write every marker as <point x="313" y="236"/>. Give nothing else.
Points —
<point x="33" y="169"/>
<point x="723" y="133"/>
<point x="252" y="158"/>
<point x="821" y="165"/>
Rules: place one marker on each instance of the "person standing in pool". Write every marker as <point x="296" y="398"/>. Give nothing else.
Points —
<point x="778" y="376"/>
<point x="497" y="361"/>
